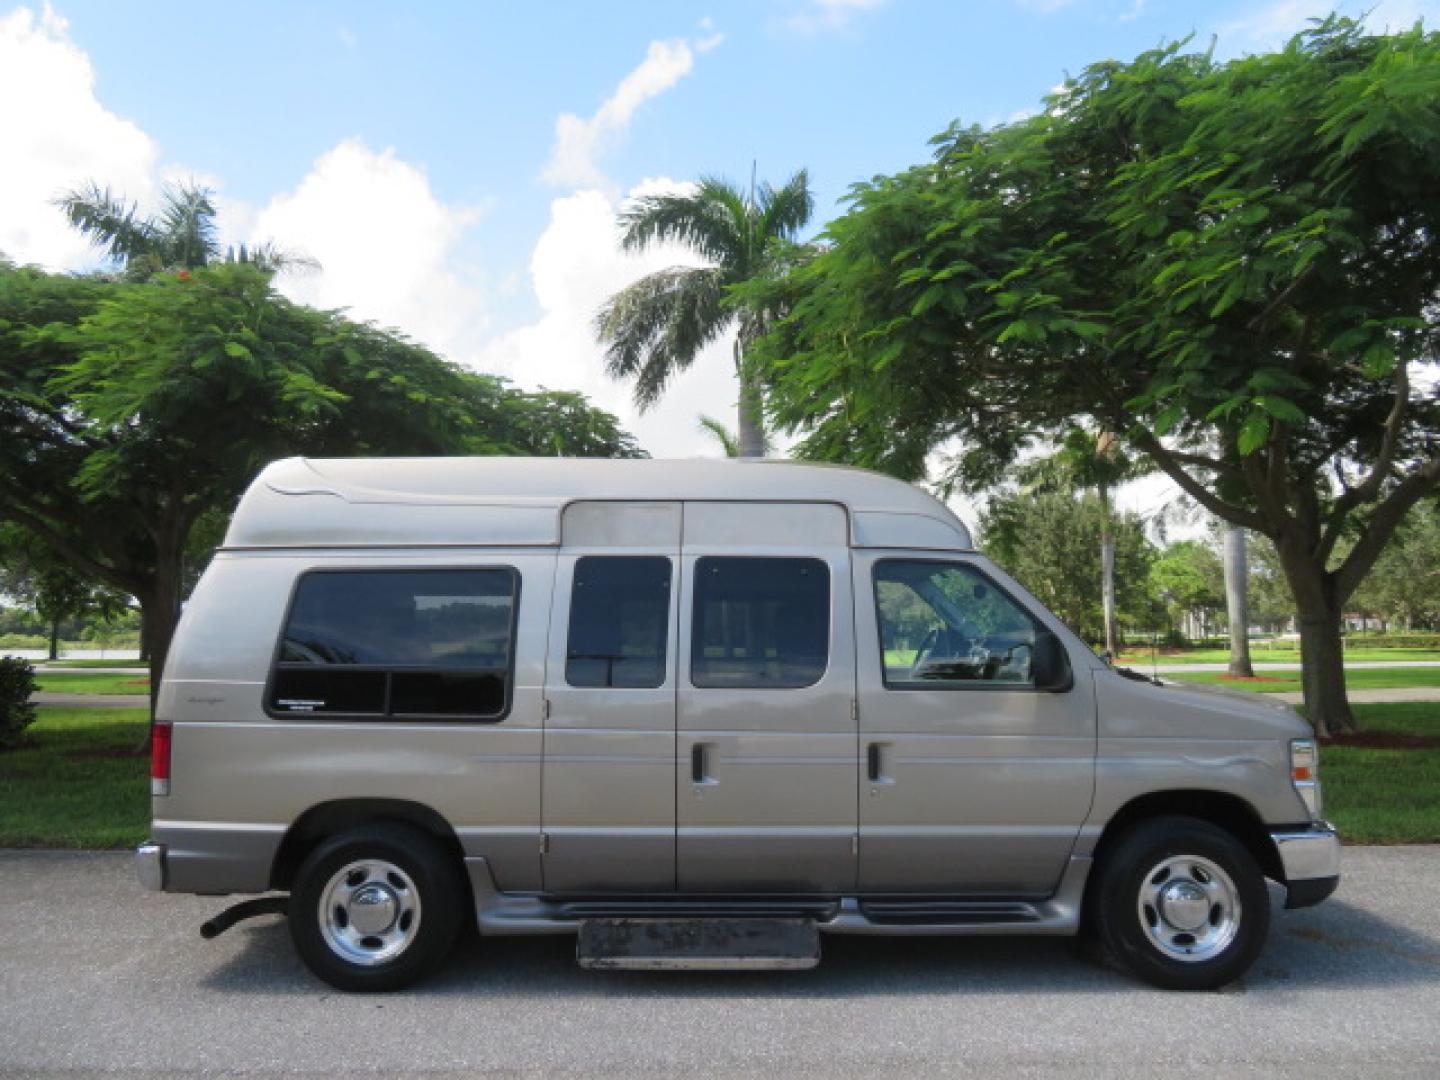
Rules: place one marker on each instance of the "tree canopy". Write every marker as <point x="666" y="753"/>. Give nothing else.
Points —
<point x="130" y="410"/>
<point x="1230" y="265"/>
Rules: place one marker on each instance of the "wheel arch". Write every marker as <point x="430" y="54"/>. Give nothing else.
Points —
<point x="326" y="819"/>
<point x="1221" y="809"/>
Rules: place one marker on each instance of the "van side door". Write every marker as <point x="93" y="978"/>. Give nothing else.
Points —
<point x="767" y="765"/>
<point x="977" y="779"/>
<point x="608" y="788"/>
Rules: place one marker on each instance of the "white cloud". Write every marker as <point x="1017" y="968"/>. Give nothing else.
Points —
<point x="821" y="15"/>
<point x="56" y="135"/>
<point x="1137" y="8"/>
<point x="385" y="243"/>
<point x="579" y="143"/>
<point x="577" y="265"/>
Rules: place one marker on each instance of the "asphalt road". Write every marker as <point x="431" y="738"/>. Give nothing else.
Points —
<point x="98" y="977"/>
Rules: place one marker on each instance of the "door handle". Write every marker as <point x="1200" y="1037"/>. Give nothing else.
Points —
<point x="697" y="764"/>
<point x="872" y="760"/>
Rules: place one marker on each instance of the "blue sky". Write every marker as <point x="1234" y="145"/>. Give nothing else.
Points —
<point x="423" y="153"/>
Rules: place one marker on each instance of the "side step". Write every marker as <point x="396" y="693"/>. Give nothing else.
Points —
<point x="698" y="944"/>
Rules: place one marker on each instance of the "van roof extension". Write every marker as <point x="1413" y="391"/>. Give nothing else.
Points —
<point x="498" y="501"/>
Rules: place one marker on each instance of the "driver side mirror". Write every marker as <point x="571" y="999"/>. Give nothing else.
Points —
<point x="1049" y="666"/>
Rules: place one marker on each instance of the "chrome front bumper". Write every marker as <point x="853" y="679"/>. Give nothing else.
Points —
<point x="150" y="866"/>
<point x="1311" y="861"/>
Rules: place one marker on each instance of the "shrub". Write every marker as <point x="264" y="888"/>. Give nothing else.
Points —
<point x="17" y="683"/>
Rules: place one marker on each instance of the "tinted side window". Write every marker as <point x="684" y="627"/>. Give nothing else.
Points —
<point x="762" y="623"/>
<point x="944" y="623"/>
<point x="619" y="621"/>
<point x="398" y="643"/>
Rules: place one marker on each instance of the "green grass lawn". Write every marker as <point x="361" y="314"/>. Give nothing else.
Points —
<point x="1386" y="796"/>
<point x="1277" y="681"/>
<point x="1140" y="655"/>
<point x="80" y="787"/>
<point x="81" y="682"/>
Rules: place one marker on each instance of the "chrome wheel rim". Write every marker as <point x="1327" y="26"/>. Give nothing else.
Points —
<point x="369" y="912"/>
<point x="1189" y="908"/>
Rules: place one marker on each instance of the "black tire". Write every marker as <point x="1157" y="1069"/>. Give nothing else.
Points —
<point x="427" y="884"/>
<point x="1180" y="854"/>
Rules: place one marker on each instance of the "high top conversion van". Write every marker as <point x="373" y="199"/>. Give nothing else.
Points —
<point x="699" y="712"/>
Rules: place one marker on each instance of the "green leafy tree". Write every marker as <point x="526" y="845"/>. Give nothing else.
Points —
<point x="1042" y="536"/>
<point x="1230" y="265"/>
<point x="1086" y="461"/>
<point x="654" y="329"/>
<point x="1404" y="586"/>
<point x="131" y="411"/>
<point x="1188" y="577"/>
<point x="31" y="572"/>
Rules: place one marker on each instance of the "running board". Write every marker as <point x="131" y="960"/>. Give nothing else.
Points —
<point x="747" y="944"/>
<point x="502" y="913"/>
<point x="702" y="907"/>
<point x="906" y="912"/>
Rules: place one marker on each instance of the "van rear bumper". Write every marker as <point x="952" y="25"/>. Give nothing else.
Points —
<point x="212" y="859"/>
<point x="1310" y="858"/>
<point x="150" y="865"/>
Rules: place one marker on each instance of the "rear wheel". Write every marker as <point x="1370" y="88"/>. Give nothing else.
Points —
<point x="1181" y="903"/>
<point x="376" y="907"/>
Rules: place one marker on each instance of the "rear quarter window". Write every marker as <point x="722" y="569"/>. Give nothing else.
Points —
<point x="398" y="643"/>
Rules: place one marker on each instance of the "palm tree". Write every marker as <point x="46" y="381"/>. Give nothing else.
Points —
<point x="726" y="439"/>
<point x="182" y="236"/>
<point x="654" y="329"/>
<point x="1237" y="601"/>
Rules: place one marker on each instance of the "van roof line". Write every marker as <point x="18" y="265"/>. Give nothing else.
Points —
<point x="409" y="502"/>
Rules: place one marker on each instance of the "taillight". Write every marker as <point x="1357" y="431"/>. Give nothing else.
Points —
<point x="160" y="759"/>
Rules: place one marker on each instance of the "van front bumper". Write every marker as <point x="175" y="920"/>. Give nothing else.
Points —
<point x="150" y="866"/>
<point x="1311" y="860"/>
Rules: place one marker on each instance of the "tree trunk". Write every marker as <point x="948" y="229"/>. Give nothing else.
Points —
<point x="1319" y="610"/>
<point x="751" y="415"/>
<point x="159" y="608"/>
<point x="1107" y="574"/>
<point x="55" y="638"/>
<point x="1322" y="660"/>
<point x="1237" y="606"/>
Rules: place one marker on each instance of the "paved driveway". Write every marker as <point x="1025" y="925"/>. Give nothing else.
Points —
<point x="97" y="976"/>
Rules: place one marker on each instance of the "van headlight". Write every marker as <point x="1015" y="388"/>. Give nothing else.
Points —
<point x="1305" y="773"/>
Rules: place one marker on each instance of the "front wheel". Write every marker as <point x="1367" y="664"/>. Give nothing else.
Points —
<point x="1181" y="904"/>
<point x="375" y="908"/>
